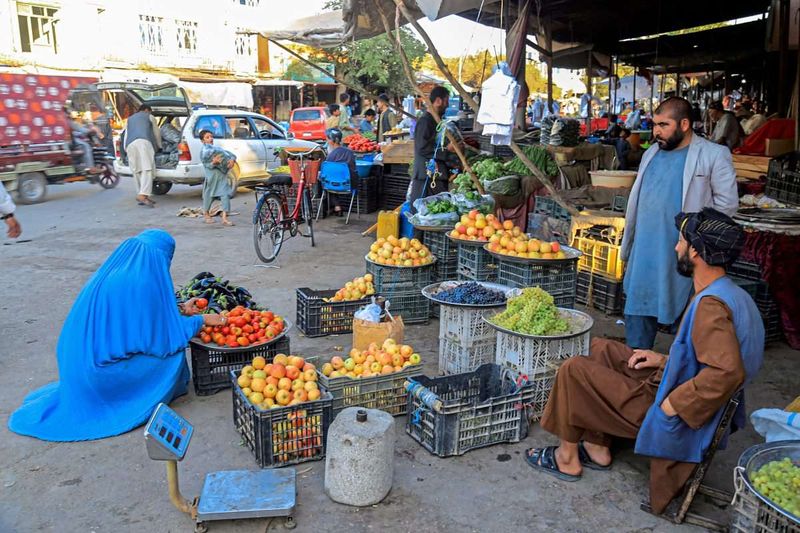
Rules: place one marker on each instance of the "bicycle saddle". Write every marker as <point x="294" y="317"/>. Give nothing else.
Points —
<point x="279" y="180"/>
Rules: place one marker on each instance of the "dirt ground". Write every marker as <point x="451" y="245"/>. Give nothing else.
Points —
<point x="111" y="485"/>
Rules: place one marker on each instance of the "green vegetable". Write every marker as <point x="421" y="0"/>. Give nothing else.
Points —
<point x="533" y="313"/>
<point x="441" y="206"/>
<point x="539" y="156"/>
<point x="489" y="169"/>
<point x="463" y="183"/>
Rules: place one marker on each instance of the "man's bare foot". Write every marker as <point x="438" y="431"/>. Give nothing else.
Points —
<point x="568" y="463"/>
<point x="600" y="455"/>
<point x="226" y="222"/>
<point x="208" y="220"/>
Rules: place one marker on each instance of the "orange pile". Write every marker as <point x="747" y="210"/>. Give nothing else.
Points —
<point x="374" y="361"/>
<point x="288" y="380"/>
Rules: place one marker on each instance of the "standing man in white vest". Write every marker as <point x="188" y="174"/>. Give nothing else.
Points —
<point x="142" y="140"/>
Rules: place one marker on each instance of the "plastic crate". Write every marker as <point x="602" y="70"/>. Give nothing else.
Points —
<point x="317" y="318"/>
<point x="397" y="169"/>
<point x="609" y="234"/>
<point x="291" y="199"/>
<point x="385" y="392"/>
<point x="410" y="304"/>
<point x="446" y="252"/>
<point x="745" y="270"/>
<point x="454" y="358"/>
<point x="465" y="325"/>
<point x="783" y="179"/>
<point x="388" y="279"/>
<point x="602" y="258"/>
<point x="559" y="279"/>
<point x="486" y="145"/>
<point x="752" y="512"/>
<point x="770" y="315"/>
<point x="212" y="365"/>
<point x="533" y="356"/>
<point x="284" y="435"/>
<point x="547" y="206"/>
<point x="751" y="287"/>
<point x="480" y="408"/>
<point x="368" y="194"/>
<point x="619" y="204"/>
<point x="474" y="263"/>
<point x="602" y="293"/>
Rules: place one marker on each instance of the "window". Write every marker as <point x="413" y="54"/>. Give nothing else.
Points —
<point x="151" y="34"/>
<point x="307" y="114"/>
<point x="266" y="129"/>
<point x="213" y="123"/>
<point x="241" y="128"/>
<point x="245" y="44"/>
<point x="186" y="32"/>
<point x="37" y="28"/>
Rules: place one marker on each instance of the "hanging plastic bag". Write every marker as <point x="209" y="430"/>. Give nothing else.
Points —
<point x="369" y="313"/>
<point x="775" y="424"/>
<point x="436" y="210"/>
<point x="506" y="185"/>
<point x="466" y="202"/>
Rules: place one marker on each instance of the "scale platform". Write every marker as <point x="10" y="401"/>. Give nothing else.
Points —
<point x="232" y="494"/>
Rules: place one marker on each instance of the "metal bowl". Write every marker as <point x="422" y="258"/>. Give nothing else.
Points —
<point x="215" y="346"/>
<point x="368" y="260"/>
<point x="572" y="254"/>
<point x="440" y="229"/>
<point x="432" y="290"/>
<point x="757" y="456"/>
<point x="579" y="323"/>
<point x="467" y="242"/>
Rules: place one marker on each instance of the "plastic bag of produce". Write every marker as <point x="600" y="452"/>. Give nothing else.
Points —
<point x="436" y="210"/>
<point x="466" y="202"/>
<point x="506" y="185"/>
<point x="775" y="424"/>
<point x="365" y="333"/>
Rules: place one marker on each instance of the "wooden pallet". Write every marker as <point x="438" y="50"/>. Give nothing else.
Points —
<point x="750" y="166"/>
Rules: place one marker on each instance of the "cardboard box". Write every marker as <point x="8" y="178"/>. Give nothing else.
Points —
<point x="398" y="152"/>
<point x="776" y="147"/>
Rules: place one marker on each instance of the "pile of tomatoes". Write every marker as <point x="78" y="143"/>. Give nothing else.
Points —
<point x="359" y="143"/>
<point x="244" y="328"/>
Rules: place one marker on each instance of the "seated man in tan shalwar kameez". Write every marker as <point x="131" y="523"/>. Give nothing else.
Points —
<point x="670" y="404"/>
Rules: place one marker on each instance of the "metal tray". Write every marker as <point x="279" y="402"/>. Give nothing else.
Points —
<point x="467" y="242"/>
<point x="580" y="323"/>
<point x="215" y="346"/>
<point x="368" y="260"/>
<point x="571" y="253"/>
<point x="440" y="229"/>
<point x="431" y="290"/>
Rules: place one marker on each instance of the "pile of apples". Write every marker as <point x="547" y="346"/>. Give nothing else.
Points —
<point x="376" y="360"/>
<point x="403" y="252"/>
<point x="355" y="290"/>
<point x="475" y="226"/>
<point x="244" y="328"/>
<point x="522" y="246"/>
<point x="299" y="436"/>
<point x="288" y="380"/>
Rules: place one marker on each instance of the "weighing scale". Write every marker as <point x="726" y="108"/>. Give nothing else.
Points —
<point x="226" y="495"/>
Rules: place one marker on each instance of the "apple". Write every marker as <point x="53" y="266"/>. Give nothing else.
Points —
<point x="415" y="359"/>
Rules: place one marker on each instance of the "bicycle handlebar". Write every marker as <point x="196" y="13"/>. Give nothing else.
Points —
<point x="296" y="153"/>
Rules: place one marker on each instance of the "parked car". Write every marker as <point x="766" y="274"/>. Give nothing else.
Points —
<point x="252" y="137"/>
<point x="308" y="123"/>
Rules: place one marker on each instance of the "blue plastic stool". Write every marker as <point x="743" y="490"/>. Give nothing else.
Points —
<point x="335" y="179"/>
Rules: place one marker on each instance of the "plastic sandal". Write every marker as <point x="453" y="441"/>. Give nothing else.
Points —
<point x="544" y="459"/>
<point x="586" y="461"/>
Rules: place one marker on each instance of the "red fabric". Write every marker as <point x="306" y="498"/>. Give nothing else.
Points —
<point x="518" y="215"/>
<point x="32" y="107"/>
<point x="779" y="258"/>
<point x="596" y="124"/>
<point x="756" y="142"/>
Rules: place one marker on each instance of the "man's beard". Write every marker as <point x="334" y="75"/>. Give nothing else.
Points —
<point x="672" y="142"/>
<point x="685" y="267"/>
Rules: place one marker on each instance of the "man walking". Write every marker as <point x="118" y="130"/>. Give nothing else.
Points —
<point x="142" y="140"/>
<point x="7" y="209"/>
<point x="680" y="172"/>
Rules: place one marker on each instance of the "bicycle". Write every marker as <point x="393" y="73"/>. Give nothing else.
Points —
<point x="271" y="216"/>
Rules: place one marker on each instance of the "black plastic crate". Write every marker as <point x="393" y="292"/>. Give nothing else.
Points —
<point x="446" y="253"/>
<point x="410" y="304"/>
<point x="284" y="435"/>
<point x="385" y="392"/>
<point x="211" y="365"/>
<point x="475" y="263"/>
<point x="745" y="269"/>
<point x="547" y="206"/>
<point x="620" y="203"/>
<point x="783" y="179"/>
<point x="317" y="318"/>
<point x="388" y="279"/>
<point x="316" y="197"/>
<point x="479" y="408"/>
<point x="770" y="315"/>
<point x="399" y="169"/>
<point x="606" y="295"/>
<point x="486" y="145"/>
<point x="751" y="287"/>
<point x="368" y="194"/>
<point x="559" y="279"/>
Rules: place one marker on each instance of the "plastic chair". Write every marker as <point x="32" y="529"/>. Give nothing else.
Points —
<point x="335" y="179"/>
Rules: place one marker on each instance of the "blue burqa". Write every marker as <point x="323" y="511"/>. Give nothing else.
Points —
<point x="121" y="350"/>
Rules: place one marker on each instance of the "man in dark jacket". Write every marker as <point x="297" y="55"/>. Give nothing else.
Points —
<point x="386" y="118"/>
<point x="142" y="140"/>
<point x="425" y="149"/>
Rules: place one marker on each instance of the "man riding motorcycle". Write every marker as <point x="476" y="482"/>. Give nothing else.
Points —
<point x="82" y="137"/>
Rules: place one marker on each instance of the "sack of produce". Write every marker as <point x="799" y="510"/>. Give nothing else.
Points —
<point x="468" y="201"/>
<point x="506" y="185"/>
<point x="436" y="210"/>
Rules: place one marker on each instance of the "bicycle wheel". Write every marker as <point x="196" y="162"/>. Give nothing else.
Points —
<point x="268" y="228"/>
<point x="305" y="224"/>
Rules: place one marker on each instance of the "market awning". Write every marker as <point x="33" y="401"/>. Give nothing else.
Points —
<point x="358" y="19"/>
<point x="280" y="83"/>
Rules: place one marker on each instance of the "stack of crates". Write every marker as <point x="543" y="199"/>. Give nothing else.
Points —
<point x="601" y="268"/>
<point x="475" y="263"/>
<point x="558" y="278"/>
<point x="748" y="276"/>
<point x="368" y="192"/>
<point x="783" y="179"/>
<point x="446" y="253"/>
<point x="549" y="221"/>
<point x="402" y="286"/>
<point x="394" y="185"/>
<point x="466" y="340"/>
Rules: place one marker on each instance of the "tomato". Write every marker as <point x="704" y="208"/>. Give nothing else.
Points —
<point x="243" y="341"/>
<point x="240" y="322"/>
<point x="247" y="317"/>
<point x="226" y="330"/>
<point x="268" y="316"/>
<point x="201" y="303"/>
<point x="270" y="332"/>
<point x="230" y="338"/>
<point x="252" y="337"/>
<point x="234" y="312"/>
<point x="247" y="328"/>
<point x="205" y="338"/>
<point x="261" y="333"/>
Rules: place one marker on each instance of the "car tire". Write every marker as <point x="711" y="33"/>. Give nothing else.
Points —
<point x="161" y="188"/>
<point x="31" y="188"/>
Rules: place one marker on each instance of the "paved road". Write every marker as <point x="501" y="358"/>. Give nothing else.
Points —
<point x="110" y="485"/>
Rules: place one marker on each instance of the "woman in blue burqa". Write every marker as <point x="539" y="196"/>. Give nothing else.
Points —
<point x="121" y="351"/>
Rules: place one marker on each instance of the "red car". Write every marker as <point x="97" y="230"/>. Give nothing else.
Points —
<point x="308" y="123"/>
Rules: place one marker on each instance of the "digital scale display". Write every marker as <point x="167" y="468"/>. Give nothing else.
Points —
<point x="167" y="434"/>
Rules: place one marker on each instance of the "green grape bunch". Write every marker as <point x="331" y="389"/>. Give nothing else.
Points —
<point x="780" y="482"/>
<point x="532" y="313"/>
